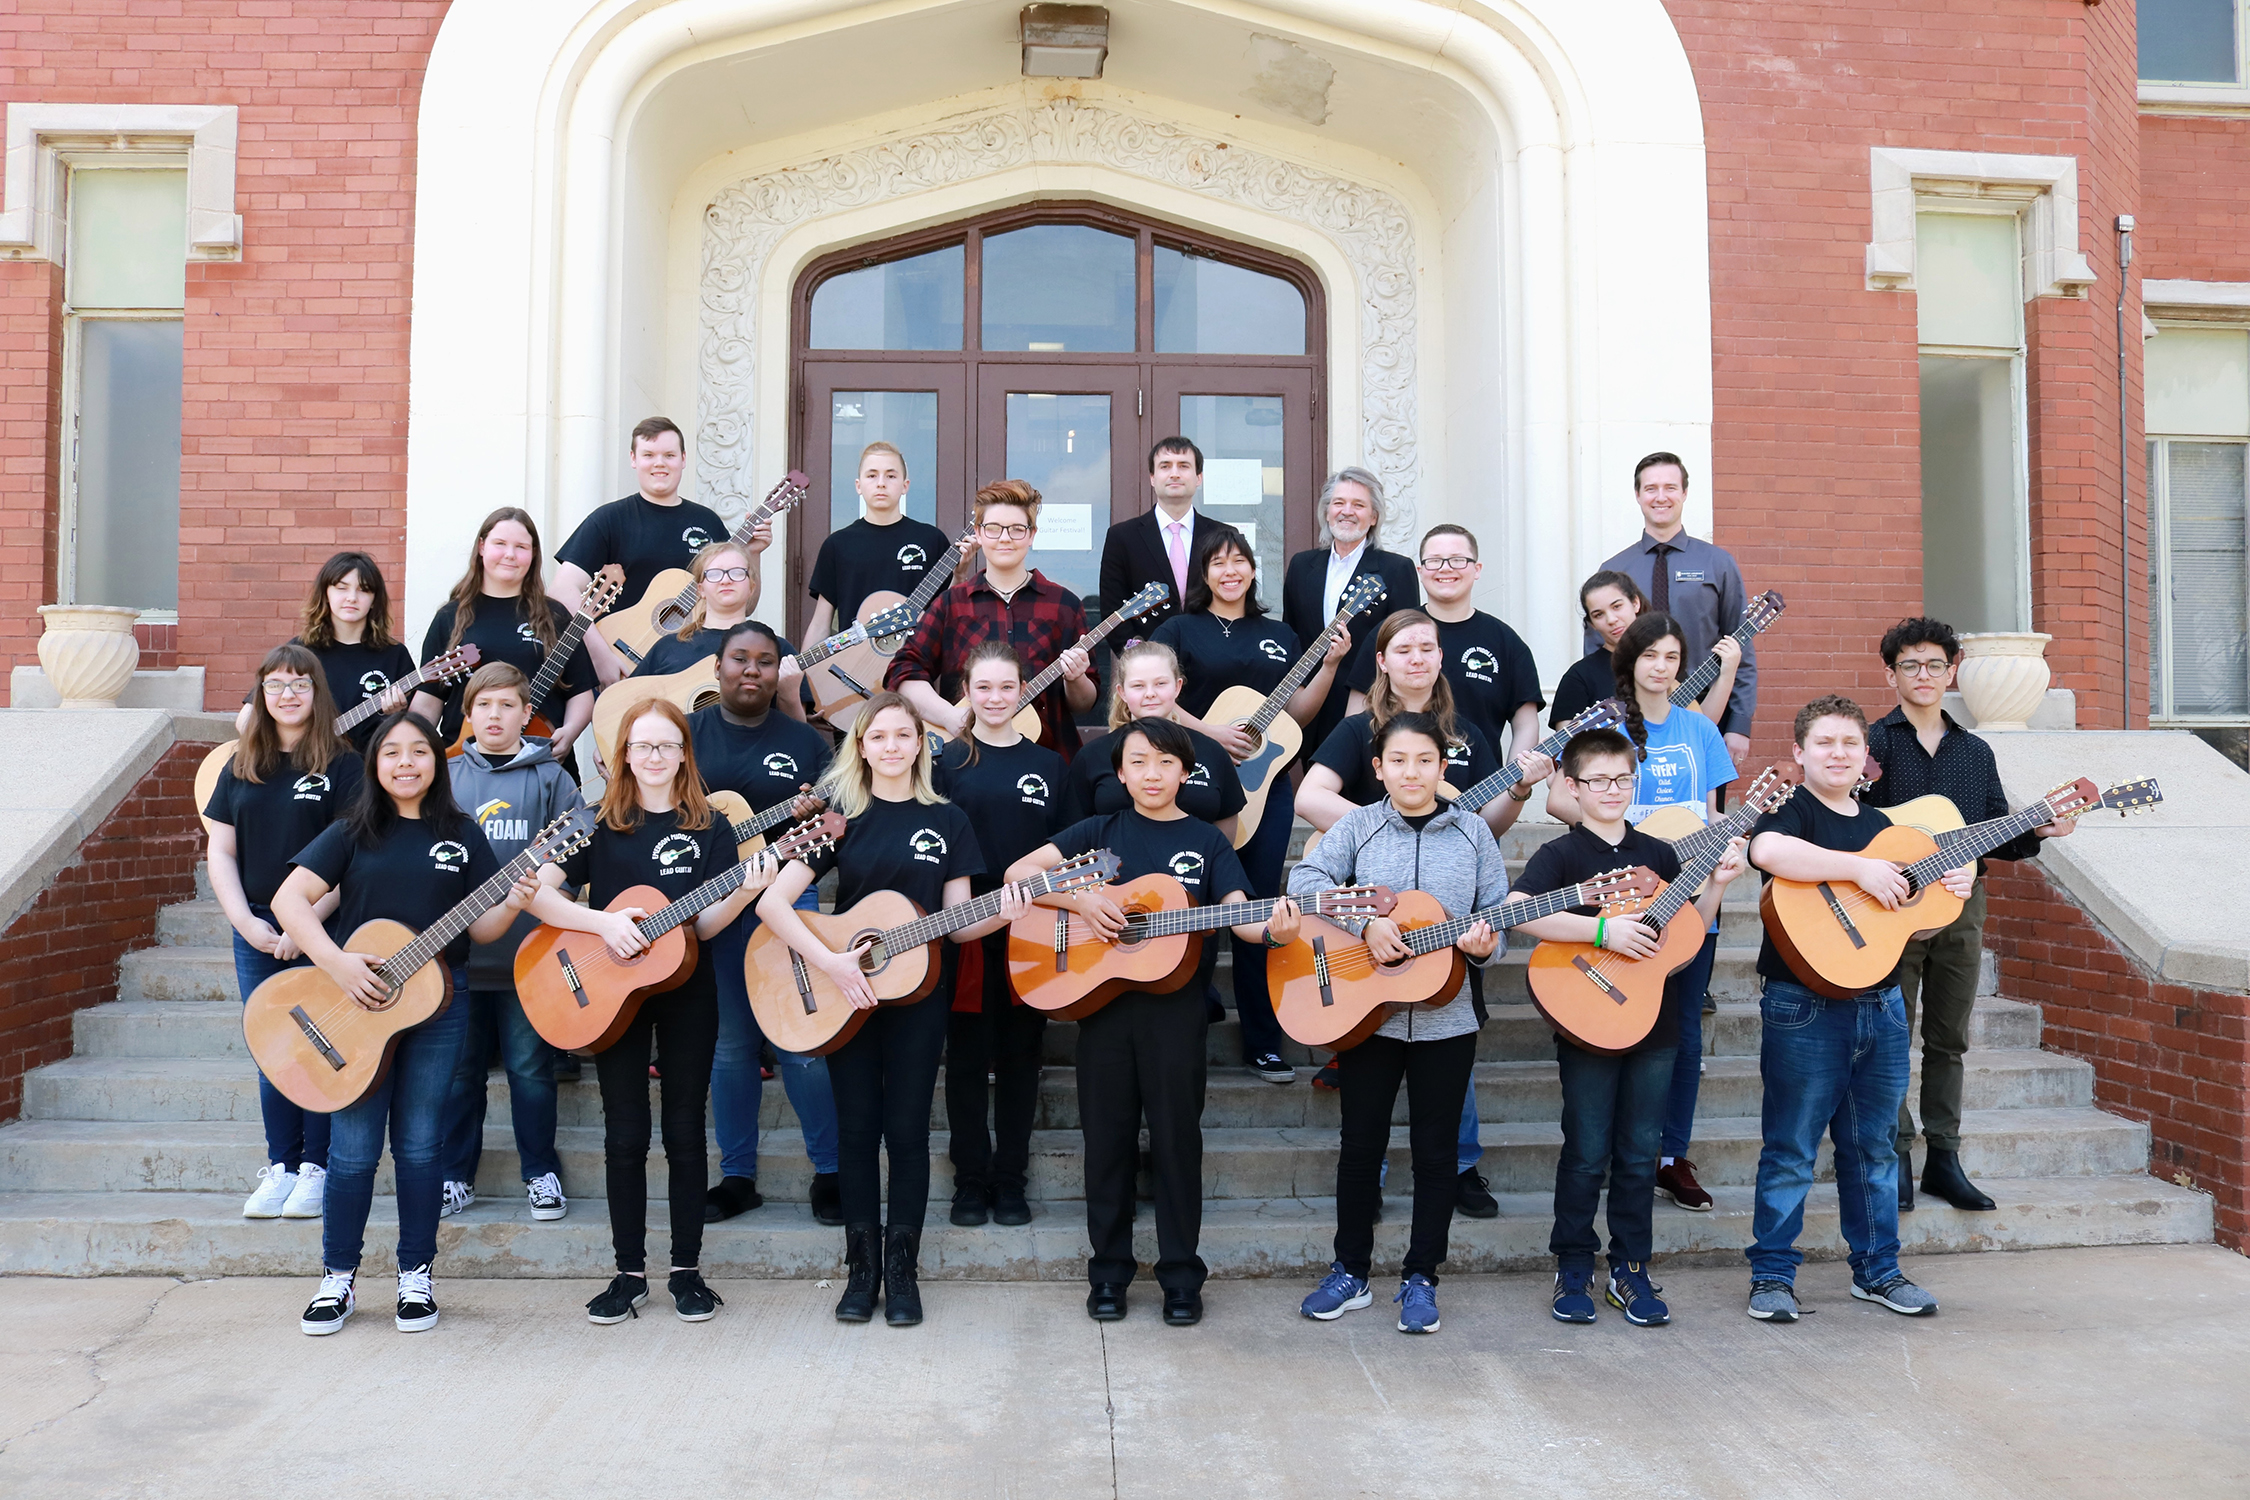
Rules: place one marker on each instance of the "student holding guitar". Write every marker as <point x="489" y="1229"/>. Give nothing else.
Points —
<point x="346" y="623"/>
<point x="728" y="573"/>
<point x="885" y="551"/>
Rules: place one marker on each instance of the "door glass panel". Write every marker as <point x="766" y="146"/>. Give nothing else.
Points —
<point x="907" y="420"/>
<point x="126" y="527"/>
<point x="1241" y="439"/>
<point x="1058" y="288"/>
<point x="1209" y="307"/>
<point x="1059" y="445"/>
<point x="2210" y="629"/>
<point x="901" y="304"/>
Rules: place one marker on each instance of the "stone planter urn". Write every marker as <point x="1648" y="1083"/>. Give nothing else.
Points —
<point x="88" y="652"/>
<point x="2003" y="678"/>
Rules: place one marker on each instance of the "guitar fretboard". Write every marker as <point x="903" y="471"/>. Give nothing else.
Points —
<point x="758" y="823"/>
<point x="1691" y="688"/>
<point x="1977" y="840"/>
<point x="778" y="499"/>
<point x="1156" y="924"/>
<point x="944" y="923"/>
<point x="1510" y="914"/>
<point x="1508" y="775"/>
<point x="401" y="966"/>
<point x="551" y="669"/>
<point x="352" y="718"/>
<point x="933" y="581"/>
<point x="1297" y="676"/>
<point x="1091" y="639"/>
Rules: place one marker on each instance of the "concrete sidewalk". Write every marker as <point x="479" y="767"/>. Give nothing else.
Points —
<point x="2106" y="1372"/>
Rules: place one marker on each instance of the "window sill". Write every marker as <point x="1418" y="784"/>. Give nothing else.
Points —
<point x="2194" y="99"/>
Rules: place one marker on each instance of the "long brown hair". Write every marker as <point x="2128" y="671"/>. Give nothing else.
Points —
<point x="703" y="558"/>
<point x="259" y="753"/>
<point x="316" y="627"/>
<point x="531" y="604"/>
<point x="621" y="799"/>
<point x="1646" y="630"/>
<point x="1382" y="697"/>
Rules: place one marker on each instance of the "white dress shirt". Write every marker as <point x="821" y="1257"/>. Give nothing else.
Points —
<point x="1340" y="570"/>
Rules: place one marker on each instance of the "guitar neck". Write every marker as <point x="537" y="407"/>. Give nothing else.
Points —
<point x="938" y="924"/>
<point x="917" y="602"/>
<point x="1054" y="671"/>
<point x="695" y="902"/>
<point x="1508" y="775"/>
<point x="432" y="940"/>
<point x="1510" y="914"/>
<point x="777" y="500"/>
<point x="352" y="718"/>
<point x="1710" y="842"/>
<point x="1693" y="686"/>
<point x="1976" y="841"/>
<point x="1157" y="924"/>
<point x="551" y="670"/>
<point x="1298" y="675"/>
<point x="761" y="823"/>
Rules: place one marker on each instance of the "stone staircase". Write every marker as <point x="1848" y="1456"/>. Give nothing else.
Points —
<point x="134" y="1155"/>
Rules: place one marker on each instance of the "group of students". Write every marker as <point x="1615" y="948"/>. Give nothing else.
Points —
<point x="313" y="836"/>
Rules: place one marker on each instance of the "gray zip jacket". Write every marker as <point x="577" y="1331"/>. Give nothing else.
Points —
<point x="510" y="800"/>
<point x="1455" y="858"/>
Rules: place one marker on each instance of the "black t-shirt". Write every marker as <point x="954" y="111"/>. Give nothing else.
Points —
<point x="1255" y="652"/>
<point x="660" y="854"/>
<point x="643" y="538"/>
<point x="909" y="847"/>
<point x="1013" y="796"/>
<point x="1350" y="753"/>
<point x="767" y="764"/>
<point x="501" y="633"/>
<point x="414" y="876"/>
<point x="1211" y="790"/>
<point x="1492" y="674"/>
<point x="357" y="672"/>
<point x="1590" y="679"/>
<point x="1805" y="816"/>
<point x="864" y="559"/>
<point x="671" y="654"/>
<point x="274" y="818"/>
<point x="1581" y="854"/>
<point x="1189" y="850"/>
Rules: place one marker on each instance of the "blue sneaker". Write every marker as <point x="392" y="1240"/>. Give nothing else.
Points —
<point x="1632" y="1293"/>
<point x="1339" y="1292"/>
<point x="1574" y="1297"/>
<point x="1417" y="1305"/>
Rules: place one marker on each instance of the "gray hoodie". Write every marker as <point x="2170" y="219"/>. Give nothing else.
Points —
<point x="1454" y="857"/>
<point x="511" y="799"/>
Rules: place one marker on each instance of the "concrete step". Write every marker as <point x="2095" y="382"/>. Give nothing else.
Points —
<point x="159" y="1028"/>
<point x="194" y="924"/>
<point x="204" y="1234"/>
<point x="178" y="973"/>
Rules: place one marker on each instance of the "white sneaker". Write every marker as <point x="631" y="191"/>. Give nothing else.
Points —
<point x="546" y="1194"/>
<point x="309" y="1195"/>
<point x="275" y="1183"/>
<point x="417" y="1304"/>
<point x="458" y="1196"/>
<point x="331" y="1305"/>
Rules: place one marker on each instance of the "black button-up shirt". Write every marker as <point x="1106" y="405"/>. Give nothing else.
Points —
<point x="1963" y="771"/>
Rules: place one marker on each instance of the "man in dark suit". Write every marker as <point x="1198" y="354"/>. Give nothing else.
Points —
<point x="1351" y="519"/>
<point x="1155" y="548"/>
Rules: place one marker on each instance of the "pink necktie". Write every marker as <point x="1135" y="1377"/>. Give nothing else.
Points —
<point x="1179" y="559"/>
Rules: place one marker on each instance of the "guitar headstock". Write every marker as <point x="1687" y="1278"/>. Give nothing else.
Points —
<point x="458" y="662"/>
<point x="1147" y="599"/>
<point x="1768" y="792"/>
<point x="1607" y="714"/>
<point x="1763" y="610"/>
<point x="795" y="486"/>
<point x="2124" y="799"/>
<point x="1622" y="887"/>
<point x="897" y="620"/>
<point x="1362" y="594"/>
<point x="1357" y="903"/>
<point x="1083" y="872"/>
<point x="809" y="837"/>
<point x="559" y="840"/>
<point x="601" y="593"/>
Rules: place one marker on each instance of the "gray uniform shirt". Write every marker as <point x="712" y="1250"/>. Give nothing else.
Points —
<point x="1707" y="600"/>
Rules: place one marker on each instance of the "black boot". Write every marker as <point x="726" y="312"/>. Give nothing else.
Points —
<point x="827" y="1199"/>
<point x="863" y="1273"/>
<point x="1906" y="1179"/>
<point x="902" y="1255"/>
<point x="1943" y="1178"/>
<point x="972" y="1202"/>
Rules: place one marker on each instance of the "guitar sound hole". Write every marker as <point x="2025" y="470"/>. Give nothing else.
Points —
<point x="670" y="618"/>
<point x="873" y="960"/>
<point x="705" y="699"/>
<point x="1257" y="740"/>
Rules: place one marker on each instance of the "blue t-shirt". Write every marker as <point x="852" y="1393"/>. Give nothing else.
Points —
<point x="1687" y="761"/>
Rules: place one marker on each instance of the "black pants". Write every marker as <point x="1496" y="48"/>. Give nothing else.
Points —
<point x="1612" y="1125"/>
<point x="1003" y="1039"/>
<point x="883" y="1079"/>
<point x="1436" y="1075"/>
<point x="685" y="1027"/>
<point x="1141" y="1056"/>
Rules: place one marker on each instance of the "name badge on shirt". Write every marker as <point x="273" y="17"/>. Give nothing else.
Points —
<point x="1682" y="575"/>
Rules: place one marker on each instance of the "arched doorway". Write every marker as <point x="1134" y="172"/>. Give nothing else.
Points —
<point x="1054" y="342"/>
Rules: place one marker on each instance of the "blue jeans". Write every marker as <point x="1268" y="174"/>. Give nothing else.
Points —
<point x="1612" y="1116"/>
<point x="1838" y="1065"/>
<point x="410" y="1104"/>
<point x="1691" y="984"/>
<point x="1262" y="859"/>
<point x="738" y="1084"/>
<point x="294" y="1135"/>
<point x="496" y="1023"/>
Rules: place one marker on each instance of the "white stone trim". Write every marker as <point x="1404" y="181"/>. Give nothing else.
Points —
<point x="2196" y="301"/>
<point x="1901" y="181"/>
<point x="203" y="135"/>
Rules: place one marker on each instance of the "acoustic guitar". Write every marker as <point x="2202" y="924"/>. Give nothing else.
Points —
<point x="580" y="996"/>
<point x="670" y="598"/>
<point x="1059" y="964"/>
<point x="1607" y="1002"/>
<point x="1756" y="616"/>
<point x="1275" y="737"/>
<point x="324" y="1050"/>
<point x="1842" y="943"/>
<point x="851" y="664"/>
<point x="601" y="593"/>
<point x="1684" y="826"/>
<point x="749" y="828"/>
<point x="1329" y="991"/>
<point x="690" y="688"/>
<point x="1027" y="717"/>
<point x="458" y="662"/>
<point x="800" y="1010"/>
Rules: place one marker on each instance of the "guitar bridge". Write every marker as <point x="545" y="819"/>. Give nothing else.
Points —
<point x="803" y="976"/>
<point x="1320" y="970"/>
<point x="317" y="1037"/>
<point x="1062" y="942"/>
<point x="1600" y="982"/>
<point x="1836" y="908"/>
<point x="570" y="977"/>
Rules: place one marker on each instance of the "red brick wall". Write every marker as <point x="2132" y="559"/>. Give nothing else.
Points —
<point x="2195" y="180"/>
<point x="294" y="405"/>
<point x="61" y="954"/>
<point x="2176" y="1057"/>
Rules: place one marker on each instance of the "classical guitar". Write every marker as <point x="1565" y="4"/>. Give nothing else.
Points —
<point x="1275" y="737"/>
<point x="601" y="593"/>
<point x="1059" y="964"/>
<point x="671" y="594"/>
<point x="851" y="664"/>
<point x="1841" y="941"/>
<point x="1329" y="991"/>
<point x="458" y="662"/>
<point x="800" y="1010"/>
<point x="1027" y="717"/>
<point x="1756" y="616"/>
<point x="580" y="996"/>
<point x="1606" y="1002"/>
<point x="324" y="1050"/>
<point x="749" y="828"/>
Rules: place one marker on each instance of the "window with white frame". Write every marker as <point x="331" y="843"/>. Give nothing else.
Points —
<point x="125" y="290"/>
<point x="2194" y="47"/>
<point x="2197" y="385"/>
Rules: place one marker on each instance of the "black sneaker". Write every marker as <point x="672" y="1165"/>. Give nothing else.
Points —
<point x="730" y="1196"/>
<point x="691" y="1299"/>
<point x="619" y="1301"/>
<point x="827" y="1199"/>
<point x="1328" y="1077"/>
<point x="1270" y="1067"/>
<point x="972" y="1204"/>
<point x="417" y="1302"/>
<point x="331" y="1307"/>
<point x="1473" y="1196"/>
<point x="1009" y="1205"/>
<point x="568" y="1068"/>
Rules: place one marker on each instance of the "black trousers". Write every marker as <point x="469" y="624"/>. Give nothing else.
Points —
<point x="1436" y="1075"/>
<point x="1141" y="1057"/>
<point x="883" y="1079"/>
<point x="685" y="1026"/>
<point x="1003" y="1039"/>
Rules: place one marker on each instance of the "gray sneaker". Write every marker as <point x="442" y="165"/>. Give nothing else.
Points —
<point x="1899" y="1295"/>
<point x="1773" y="1302"/>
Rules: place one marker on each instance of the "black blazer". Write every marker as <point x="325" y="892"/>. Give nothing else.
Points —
<point x="1301" y="592"/>
<point x="1133" y="557"/>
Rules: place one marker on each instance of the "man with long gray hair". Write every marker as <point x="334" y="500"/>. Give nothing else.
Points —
<point x="1351" y="523"/>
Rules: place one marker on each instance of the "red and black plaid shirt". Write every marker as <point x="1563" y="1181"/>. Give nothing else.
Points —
<point x="1041" y="622"/>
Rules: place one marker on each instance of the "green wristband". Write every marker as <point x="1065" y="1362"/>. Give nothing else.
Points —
<point x="1601" y="925"/>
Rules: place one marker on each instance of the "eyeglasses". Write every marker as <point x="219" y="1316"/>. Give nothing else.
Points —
<point x="1448" y="564"/>
<point x="725" y="575"/>
<point x="288" y="687"/>
<point x="654" y="749"/>
<point x="1922" y="668"/>
<point x="994" y="532"/>
<point x="1605" y="783"/>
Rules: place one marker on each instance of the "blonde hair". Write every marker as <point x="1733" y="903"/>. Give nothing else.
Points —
<point x="848" y="785"/>
<point x="879" y="446"/>
<point x="1382" y="697"/>
<point x="703" y="560"/>
<point x="1119" y="714"/>
<point x="621" y="799"/>
<point x="1009" y="492"/>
